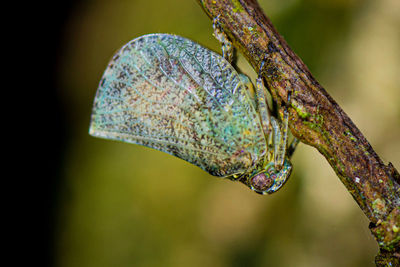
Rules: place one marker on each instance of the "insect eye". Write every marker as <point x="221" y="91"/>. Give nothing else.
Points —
<point x="261" y="182"/>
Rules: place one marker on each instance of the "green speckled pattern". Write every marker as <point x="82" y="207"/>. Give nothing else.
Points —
<point x="171" y="94"/>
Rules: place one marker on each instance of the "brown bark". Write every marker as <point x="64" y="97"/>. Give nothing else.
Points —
<point x="316" y="119"/>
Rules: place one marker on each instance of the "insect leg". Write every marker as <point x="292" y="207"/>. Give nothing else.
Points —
<point x="281" y="142"/>
<point x="262" y="106"/>
<point x="292" y="147"/>
<point x="227" y="47"/>
<point x="279" y="129"/>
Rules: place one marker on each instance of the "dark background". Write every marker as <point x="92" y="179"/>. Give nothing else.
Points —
<point x="46" y="22"/>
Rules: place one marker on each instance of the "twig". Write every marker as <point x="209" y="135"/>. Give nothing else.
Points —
<point x="317" y="120"/>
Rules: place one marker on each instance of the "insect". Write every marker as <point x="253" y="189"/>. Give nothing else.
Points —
<point x="171" y="94"/>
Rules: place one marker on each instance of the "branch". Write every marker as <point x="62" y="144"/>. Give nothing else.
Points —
<point x="315" y="118"/>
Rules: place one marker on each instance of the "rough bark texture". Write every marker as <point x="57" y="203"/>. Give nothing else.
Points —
<point x="317" y="120"/>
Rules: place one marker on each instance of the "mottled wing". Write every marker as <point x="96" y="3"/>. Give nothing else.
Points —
<point x="169" y="93"/>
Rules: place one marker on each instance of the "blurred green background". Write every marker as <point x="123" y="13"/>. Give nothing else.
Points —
<point x="126" y="205"/>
